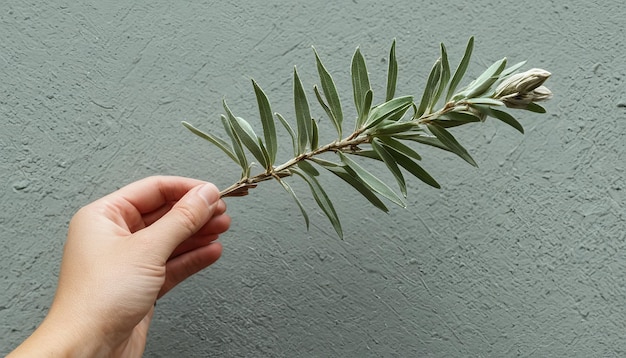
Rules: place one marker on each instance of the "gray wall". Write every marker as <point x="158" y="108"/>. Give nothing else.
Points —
<point x="524" y="256"/>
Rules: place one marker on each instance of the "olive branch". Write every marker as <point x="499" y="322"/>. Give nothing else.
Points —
<point x="381" y="131"/>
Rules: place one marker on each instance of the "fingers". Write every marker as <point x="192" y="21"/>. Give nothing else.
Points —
<point x="180" y="268"/>
<point x="210" y="232"/>
<point x="186" y="217"/>
<point x="155" y="215"/>
<point x="151" y="193"/>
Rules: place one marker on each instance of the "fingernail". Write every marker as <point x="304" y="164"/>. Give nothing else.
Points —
<point x="208" y="192"/>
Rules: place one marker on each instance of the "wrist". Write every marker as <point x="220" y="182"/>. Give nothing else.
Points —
<point x="63" y="338"/>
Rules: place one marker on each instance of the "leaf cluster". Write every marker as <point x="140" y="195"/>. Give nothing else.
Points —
<point x="383" y="132"/>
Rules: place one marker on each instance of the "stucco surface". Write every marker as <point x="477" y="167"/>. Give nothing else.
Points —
<point x="521" y="257"/>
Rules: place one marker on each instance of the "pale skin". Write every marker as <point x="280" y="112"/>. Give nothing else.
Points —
<point x="123" y="252"/>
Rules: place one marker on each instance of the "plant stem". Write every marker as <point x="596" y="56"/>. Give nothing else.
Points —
<point x="241" y="187"/>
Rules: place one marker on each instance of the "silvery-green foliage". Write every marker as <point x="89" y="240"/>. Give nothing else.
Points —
<point x="382" y="132"/>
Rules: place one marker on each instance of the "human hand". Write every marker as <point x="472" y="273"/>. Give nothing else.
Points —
<point x="123" y="252"/>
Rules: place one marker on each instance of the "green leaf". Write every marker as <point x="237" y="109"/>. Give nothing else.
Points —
<point x="421" y="138"/>
<point x="267" y="120"/>
<point x="307" y="167"/>
<point x="365" y="110"/>
<point x="480" y="85"/>
<point x="371" y="181"/>
<point x="295" y="198"/>
<point x="237" y="147"/>
<point x="360" y="81"/>
<point x="534" y="107"/>
<point x="460" y="70"/>
<point x="251" y="141"/>
<point x="392" y="72"/>
<point x="393" y="110"/>
<point x="246" y="135"/>
<point x="215" y="140"/>
<point x="328" y="111"/>
<point x="453" y="119"/>
<point x="266" y="155"/>
<point x="509" y="70"/>
<point x="485" y="101"/>
<point x="321" y="198"/>
<point x="315" y="137"/>
<point x="413" y="168"/>
<point x="449" y="141"/>
<point x="506" y="118"/>
<point x="392" y="128"/>
<point x="330" y="92"/>
<point x="429" y="90"/>
<point x="445" y="77"/>
<point x="347" y="175"/>
<point x="367" y="154"/>
<point x="303" y="114"/>
<point x="290" y="131"/>
<point x="400" y="147"/>
<point x="391" y="164"/>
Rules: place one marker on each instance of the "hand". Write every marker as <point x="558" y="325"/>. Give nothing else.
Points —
<point x="123" y="252"/>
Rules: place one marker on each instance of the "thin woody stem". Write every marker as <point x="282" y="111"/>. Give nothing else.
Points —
<point x="241" y="187"/>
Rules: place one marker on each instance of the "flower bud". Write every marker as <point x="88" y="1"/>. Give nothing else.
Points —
<point x="522" y="82"/>
<point x="521" y="89"/>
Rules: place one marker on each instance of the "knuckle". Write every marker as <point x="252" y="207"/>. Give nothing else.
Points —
<point x="187" y="219"/>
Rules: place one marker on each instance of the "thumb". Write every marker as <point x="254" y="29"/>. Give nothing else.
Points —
<point x="183" y="220"/>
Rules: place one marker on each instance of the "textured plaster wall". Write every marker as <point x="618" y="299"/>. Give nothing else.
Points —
<point x="524" y="256"/>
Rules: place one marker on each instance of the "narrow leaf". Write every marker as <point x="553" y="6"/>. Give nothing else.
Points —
<point x="321" y="198"/>
<point x="484" y="100"/>
<point x="534" y="107"/>
<point x="303" y="114"/>
<point x="295" y="198"/>
<point x="400" y="147"/>
<point x="328" y="111"/>
<point x="367" y="154"/>
<point x="315" y="137"/>
<point x="480" y="85"/>
<point x="307" y="167"/>
<point x="346" y="174"/>
<point x="250" y="140"/>
<point x="371" y="181"/>
<point x="392" y="128"/>
<point x="330" y="92"/>
<point x="391" y="164"/>
<point x="431" y="86"/>
<point x="445" y="77"/>
<point x="420" y="138"/>
<point x="237" y="147"/>
<point x="453" y="119"/>
<point x="449" y="141"/>
<point x="506" y="118"/>
<point x="246" y="135"/>
<point x="267" y="120"/>
<point x="392" y="72"/>
<point x="360" y="81"/>
<point x="266" y="155"/>
<point x="509" y="70"/>
<point x="215" y="140"/>
<point x="290" y="131"/>
<point x="460" y="70"/>
<point x="393" y="109"/>
<point x="413" y="168"/>
<point x="365" y="110"/>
